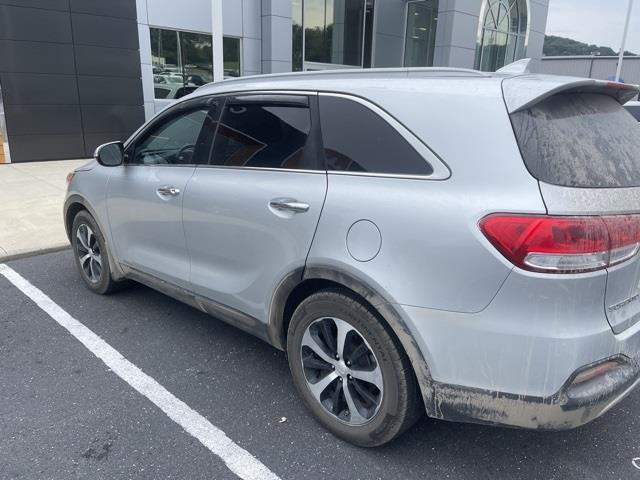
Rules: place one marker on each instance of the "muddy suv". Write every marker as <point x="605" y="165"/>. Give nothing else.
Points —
<point x="418" y="240"/>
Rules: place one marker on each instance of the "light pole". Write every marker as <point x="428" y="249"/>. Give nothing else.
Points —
<point x="624" y="41"/>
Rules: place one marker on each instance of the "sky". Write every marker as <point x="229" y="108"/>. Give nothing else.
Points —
<point x="599" y="22"/>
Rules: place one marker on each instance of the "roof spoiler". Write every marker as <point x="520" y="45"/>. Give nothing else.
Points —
<point x="524" y="91"/>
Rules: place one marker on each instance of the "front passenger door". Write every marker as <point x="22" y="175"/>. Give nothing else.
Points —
<point x="144" y="199"/>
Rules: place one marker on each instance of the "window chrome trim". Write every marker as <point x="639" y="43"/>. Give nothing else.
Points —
<point x="267" y="169"/>
<point x="440" y="169"/>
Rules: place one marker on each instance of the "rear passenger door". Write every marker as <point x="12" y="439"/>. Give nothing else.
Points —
<point x="250" y="215"/>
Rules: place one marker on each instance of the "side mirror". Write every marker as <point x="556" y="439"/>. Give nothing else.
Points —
<point x="110" y="154"/>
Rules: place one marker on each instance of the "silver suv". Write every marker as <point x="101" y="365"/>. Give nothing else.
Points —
<point x="448" y="241"/>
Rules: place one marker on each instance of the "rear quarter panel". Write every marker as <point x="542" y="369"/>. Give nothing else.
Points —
<point x="433" y="254"/>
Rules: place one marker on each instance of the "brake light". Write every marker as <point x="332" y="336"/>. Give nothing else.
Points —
<point x="551" y="244"/>
<point x="621" y="86"/>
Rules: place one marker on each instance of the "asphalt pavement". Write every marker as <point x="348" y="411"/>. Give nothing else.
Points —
<point x="64" y="414"/>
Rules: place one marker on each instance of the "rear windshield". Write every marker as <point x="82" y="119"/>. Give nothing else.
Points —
<point x="580" y="140"/>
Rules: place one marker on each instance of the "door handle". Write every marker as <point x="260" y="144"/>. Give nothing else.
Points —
<point x="168" y="191"/>
<point x="288" y="205"/>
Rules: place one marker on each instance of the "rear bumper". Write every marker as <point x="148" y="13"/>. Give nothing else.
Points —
<point x="572" y="406"/>
<point x="514" y="362"/>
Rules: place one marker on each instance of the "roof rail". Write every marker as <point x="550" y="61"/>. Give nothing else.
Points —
<point x="411" y="72"/>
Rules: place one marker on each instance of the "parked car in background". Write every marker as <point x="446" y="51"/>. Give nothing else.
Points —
<point x="417" y="240"/>
<point x="172" y="91"/>
<point x="634" y="108"/>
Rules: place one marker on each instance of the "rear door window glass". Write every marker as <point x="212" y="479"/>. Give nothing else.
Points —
<point x="357" y="139"/>
<point x="580" y="140"/>
<point x="264" y="132"/>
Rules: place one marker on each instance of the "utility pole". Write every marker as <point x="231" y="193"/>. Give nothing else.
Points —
<point x="624" y="41"/>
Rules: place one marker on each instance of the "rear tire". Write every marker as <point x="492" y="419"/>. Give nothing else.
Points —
<point x="373" y="376"/>
<point x="90" y="252"/>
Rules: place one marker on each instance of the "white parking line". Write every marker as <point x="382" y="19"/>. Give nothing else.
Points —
<point x="239" y="461"/>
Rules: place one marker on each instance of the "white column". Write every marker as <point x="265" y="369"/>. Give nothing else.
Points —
<point x="216" y="32"/>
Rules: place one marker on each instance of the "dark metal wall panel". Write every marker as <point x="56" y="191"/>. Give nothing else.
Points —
<point x="38" y="89"/>
<point x="70" y="75"/>
<point x="110" y="8"/>
<point x="104" y="31"/>
<point x="112" y="118"/>
<point x="105" y="61"/>
<point x="36" y="57"/>
<point x="44" y="119"/>
<point x="46" y="4"/>
<point x="109" y="91"/>
<point x="32" y="148"/>
<point x="34" y="24"/>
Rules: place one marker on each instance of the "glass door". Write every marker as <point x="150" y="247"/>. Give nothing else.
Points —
<point x="420" y="33"/>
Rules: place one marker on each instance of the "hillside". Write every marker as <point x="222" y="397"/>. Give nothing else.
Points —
<point x="560" y="46"/>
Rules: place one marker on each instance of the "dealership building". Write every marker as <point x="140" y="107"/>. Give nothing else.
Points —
<point x="77" y="73"/>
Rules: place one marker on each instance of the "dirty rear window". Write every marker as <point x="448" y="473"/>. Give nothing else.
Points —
<point x="580" y="140"/>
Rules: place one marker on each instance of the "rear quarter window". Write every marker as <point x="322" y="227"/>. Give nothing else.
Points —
<point x="580" y="140"/>
<point x="356" y="139"/>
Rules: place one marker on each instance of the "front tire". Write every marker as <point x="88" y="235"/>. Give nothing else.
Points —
<point x="350" y="371"/>
<point x="90" y="254"/>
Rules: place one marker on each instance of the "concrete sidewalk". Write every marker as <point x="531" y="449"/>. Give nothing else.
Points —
<point x="31" y="197"/>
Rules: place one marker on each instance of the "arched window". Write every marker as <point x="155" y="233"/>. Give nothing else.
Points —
<point x="502" y="34"/>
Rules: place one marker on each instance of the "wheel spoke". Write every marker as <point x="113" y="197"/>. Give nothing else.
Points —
<point x="309" y="341"/>
<point x="370" y="376"/>
<point x="98" y="259"/>
<point x="354" y="414"/>
<point x="321" y="385"/>
<point x="343" y="329"/>
<point x="93" y="274"/>
<point x="81" y="237"/>
<point x="90" y="237"/>
<point x="84" y="259"/>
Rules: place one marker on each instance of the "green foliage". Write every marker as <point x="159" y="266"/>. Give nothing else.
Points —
<point x="562" y="47"/>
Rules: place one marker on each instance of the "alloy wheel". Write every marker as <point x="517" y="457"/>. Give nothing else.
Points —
<point x="89" y="254"/>
<point x="341" y="370"/>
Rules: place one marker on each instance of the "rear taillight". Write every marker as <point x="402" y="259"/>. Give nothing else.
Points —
<point x="550" y="244"/>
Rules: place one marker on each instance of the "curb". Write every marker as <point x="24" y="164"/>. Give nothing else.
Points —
<point x="34" y="253"/>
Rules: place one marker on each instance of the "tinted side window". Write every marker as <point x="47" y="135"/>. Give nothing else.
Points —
<point x="269" y="134"/>
<point x="357" y="139"/>
<point x="179" y="139"/>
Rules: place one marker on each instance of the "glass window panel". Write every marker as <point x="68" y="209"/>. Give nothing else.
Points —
<point x="165" y="56"/>
<point x="182" y="61"/>
<point x="334" y="31"/>
<point x="357" y="139"/>
<point x="231" y="49"/>
<point x="422" y="19"/>
<point x="197" y="58"/>
<point x="173" y="141"/>
<point x="503" y="35"/>
<point x="296" y="13"/>
<point x="263" y="135"/>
